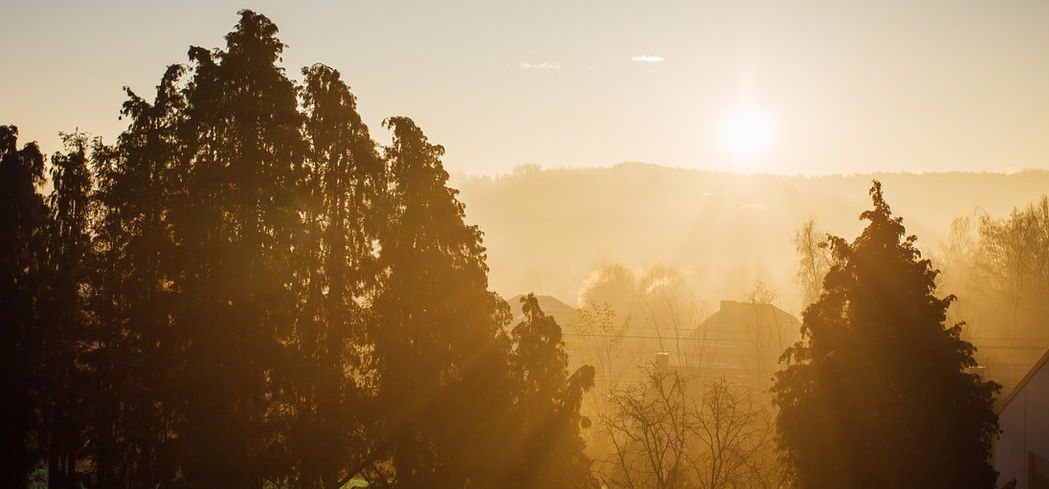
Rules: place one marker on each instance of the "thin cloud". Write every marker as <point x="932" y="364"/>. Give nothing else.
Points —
<point x="545" y="65"/>
<point x="645" y="58"/>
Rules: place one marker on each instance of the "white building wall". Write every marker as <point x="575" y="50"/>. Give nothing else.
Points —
<point x="1024" y="422"/>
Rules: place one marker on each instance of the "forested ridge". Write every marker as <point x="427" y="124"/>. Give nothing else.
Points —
<point x="723" y="230"/>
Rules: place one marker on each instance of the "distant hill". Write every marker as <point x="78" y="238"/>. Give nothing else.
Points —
<point x="546" y="230"/>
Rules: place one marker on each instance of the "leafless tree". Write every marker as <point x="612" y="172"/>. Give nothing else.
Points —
<point x="814" y="260"/>
<point x="602" y="334"/>
<point x="666" y="437"/>
<point x="732" y="438"/>
<point x="648" y="425"/>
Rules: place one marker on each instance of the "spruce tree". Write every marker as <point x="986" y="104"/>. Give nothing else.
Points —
<point x="235" y="223"/>
<point x="330" y="430"/>
<point x="64" y="315"/>
<point x="23" y="217"/>
<point x="132" y="357"/>
<point x="547" y="438"/>
<point x="879" y="392"/>
<point x="440" y="348"/>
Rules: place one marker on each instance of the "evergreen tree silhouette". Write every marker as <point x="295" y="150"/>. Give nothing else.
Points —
<point x="132" y="361"/>
<point x="243" y="292"/>
<point x="546" y="436"/>
<point x="877" y="392"/>
<point x="330" y="432"/>
<point x="23" y="218"/>
<point x="440" y="349"/>
<point x="64" y="313"/>
<point x="235" y="225"/>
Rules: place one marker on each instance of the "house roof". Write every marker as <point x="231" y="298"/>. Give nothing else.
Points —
<point x="550" y="305"/>
<point x="735" y="315"/>
<point x="1020" y="386"/>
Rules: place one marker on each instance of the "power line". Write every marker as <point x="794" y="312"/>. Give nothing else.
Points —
<point x="640" y="337"/>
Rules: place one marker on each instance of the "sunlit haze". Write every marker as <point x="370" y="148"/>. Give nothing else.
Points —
<point x="857" y="87"/>
<point x="595" y="244"/>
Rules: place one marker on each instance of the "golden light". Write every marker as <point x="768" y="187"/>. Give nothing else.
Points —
<point x="746" y="134"/>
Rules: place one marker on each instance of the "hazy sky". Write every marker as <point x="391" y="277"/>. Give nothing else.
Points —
<point x="837" y="86"/>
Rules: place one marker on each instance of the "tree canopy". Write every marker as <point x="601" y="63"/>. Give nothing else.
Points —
<point x="879" y="392"/>
<point x="245" y="290"/>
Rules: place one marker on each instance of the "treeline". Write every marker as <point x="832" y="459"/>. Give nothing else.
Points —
<point x="1001" y="267"/>
<point x="245" y="290"/>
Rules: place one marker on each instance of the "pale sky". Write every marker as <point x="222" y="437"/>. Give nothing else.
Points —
<point x="838" y="86"/>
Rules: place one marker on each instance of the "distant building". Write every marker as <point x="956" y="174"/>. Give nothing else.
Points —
<point x="743" y="340"/>
<point x="1022" y="450"/>
<point x="563" y="313"/>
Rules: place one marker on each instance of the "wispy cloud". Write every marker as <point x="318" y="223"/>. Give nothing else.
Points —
<point x="645" y="58"/>
<point x="545" y="65"/>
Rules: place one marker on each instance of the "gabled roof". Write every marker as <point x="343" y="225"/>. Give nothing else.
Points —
<point x="735" y="315"/>
<point x="1004" y="402"/>
<point x="550" y="305"/>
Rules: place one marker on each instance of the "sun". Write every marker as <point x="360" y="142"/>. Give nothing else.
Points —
<point x="746" y="133"/>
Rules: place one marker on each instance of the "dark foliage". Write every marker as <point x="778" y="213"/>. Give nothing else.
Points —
<point x="878" y="392"/>
<point x="547" y="438"/>
<point x="22" y="224"/>
<point x="245" y="291"/>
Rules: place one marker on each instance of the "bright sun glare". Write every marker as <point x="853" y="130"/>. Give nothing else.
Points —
<point x="746" y="134"/>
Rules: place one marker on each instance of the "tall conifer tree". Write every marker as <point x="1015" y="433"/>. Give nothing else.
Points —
<point x="133" y="354"/>
<point x="235" y="225"/>
<point x="440" y="348"/>
<point x="64" y="313"/>
<point x="545" y="434"/>
<point x="23" y="218"/>
<point x="878" y="393"/>
<point x="333" y="390"/>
